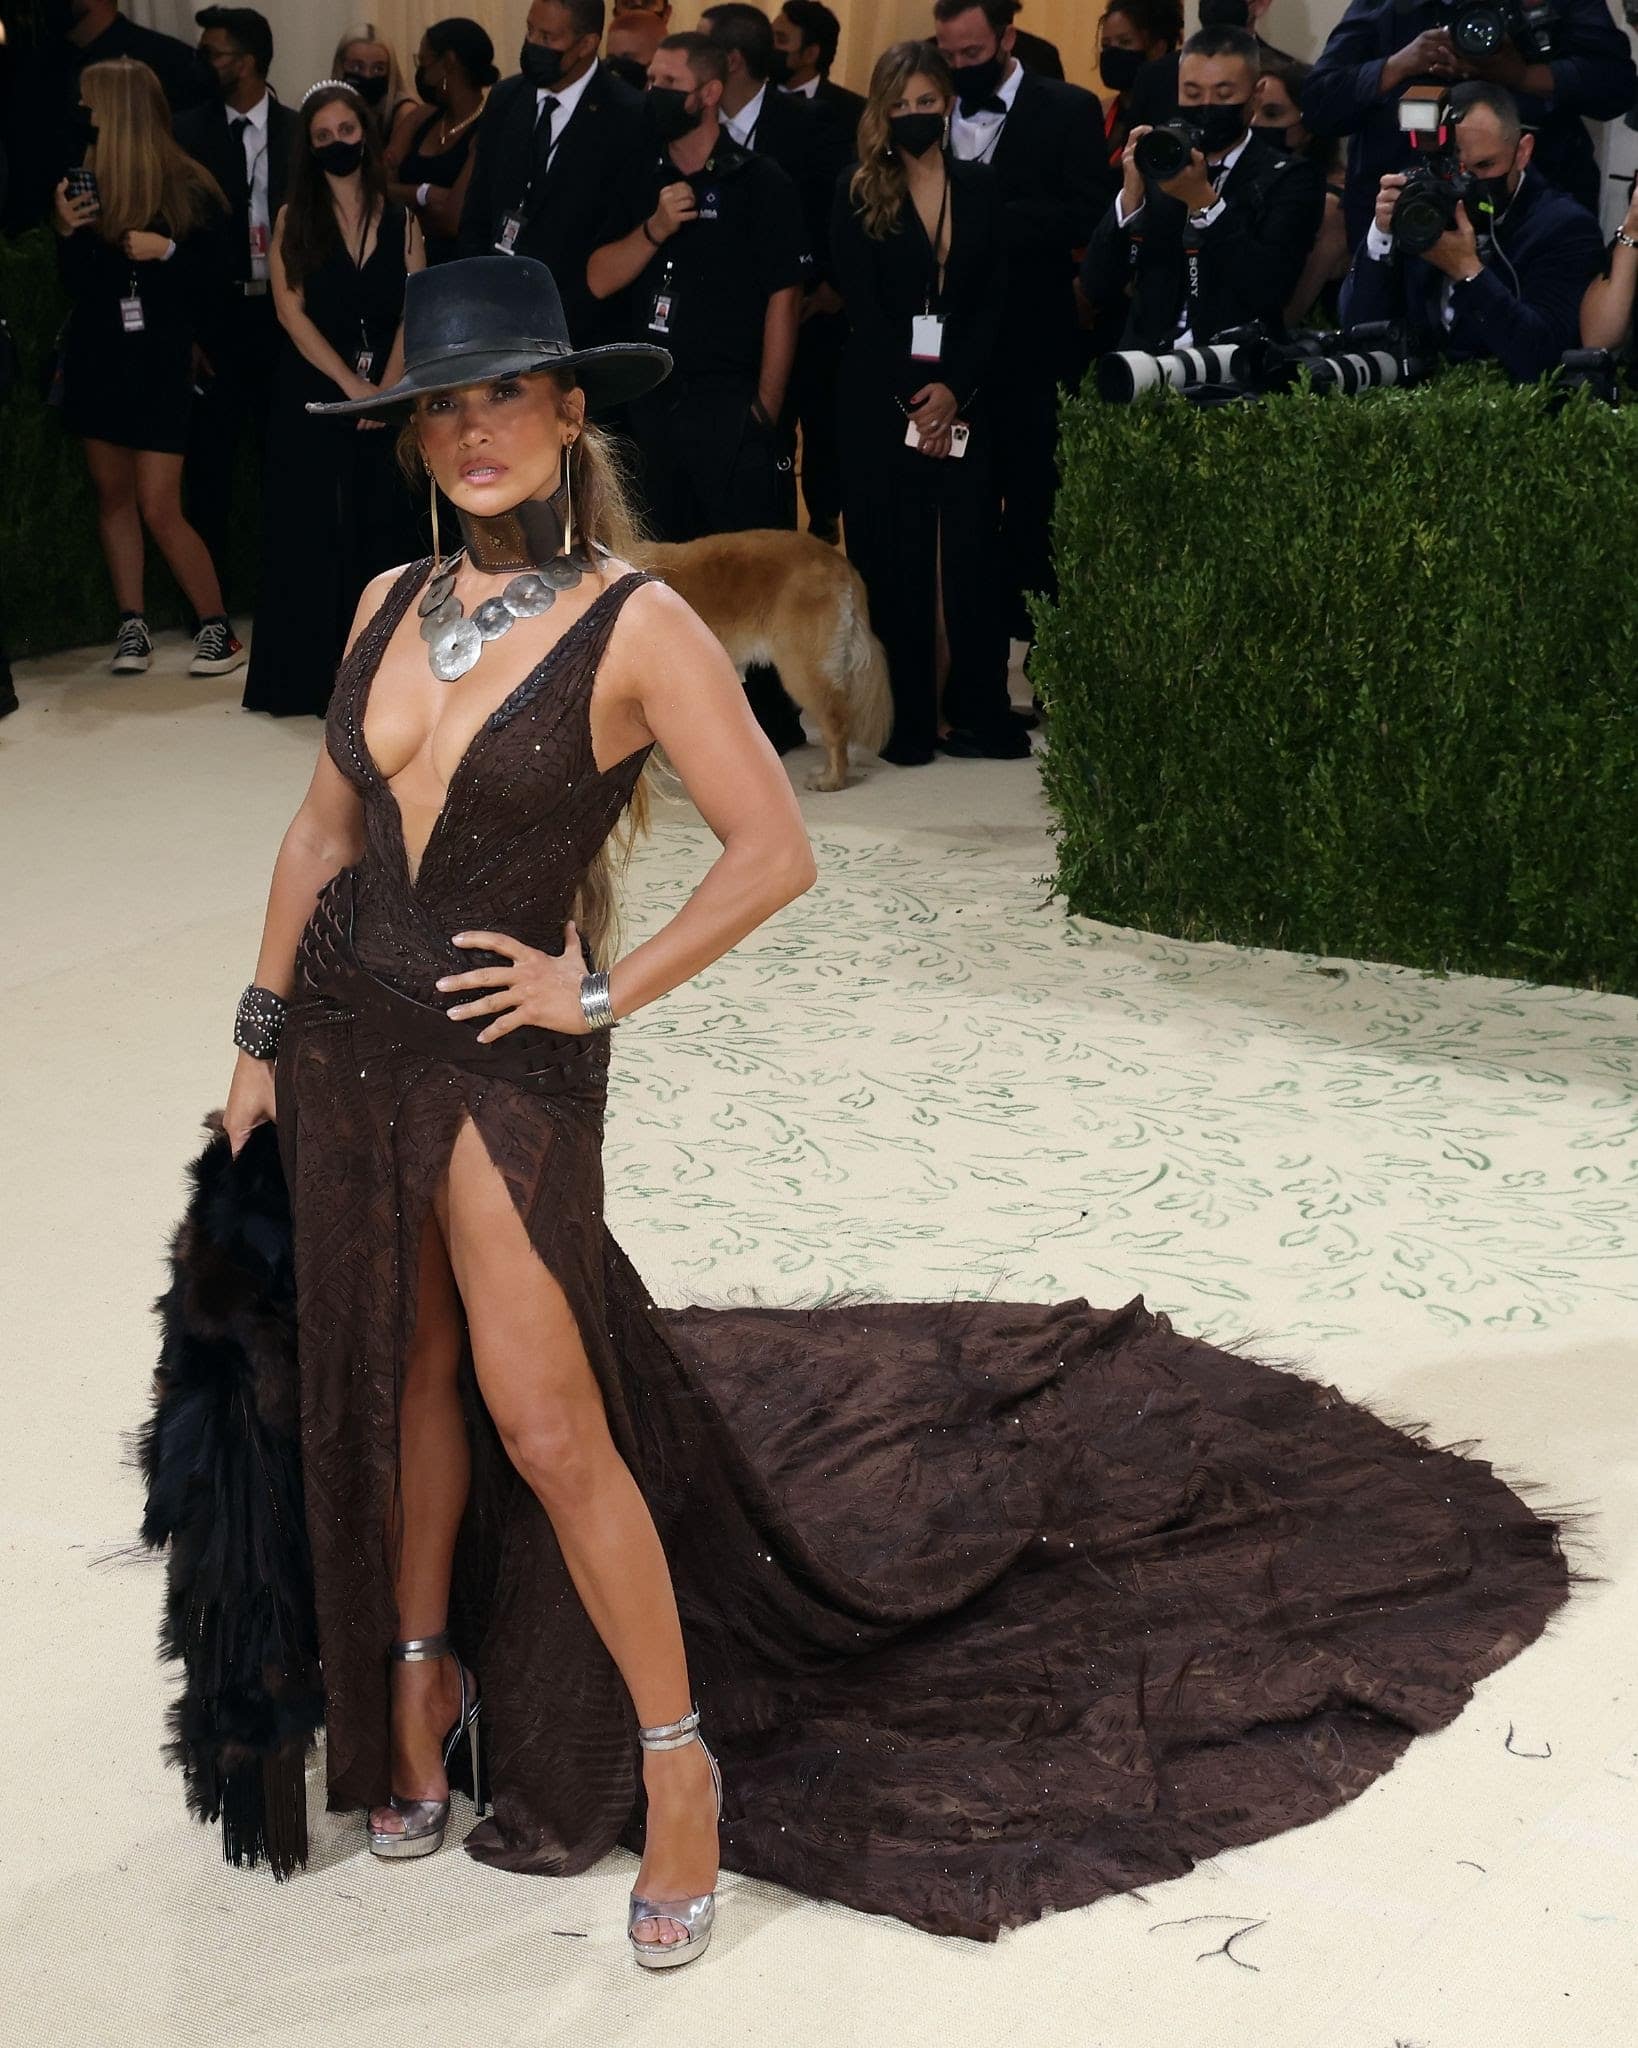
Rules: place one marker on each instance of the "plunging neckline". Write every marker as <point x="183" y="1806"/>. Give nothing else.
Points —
<point x="493" y="722"/>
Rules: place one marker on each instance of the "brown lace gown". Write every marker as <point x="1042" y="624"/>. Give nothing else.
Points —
<point x="991" y="1607"/>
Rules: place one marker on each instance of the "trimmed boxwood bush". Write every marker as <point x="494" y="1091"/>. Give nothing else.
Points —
<point x="1352" y="676"/>
<point x="54" y="589"/>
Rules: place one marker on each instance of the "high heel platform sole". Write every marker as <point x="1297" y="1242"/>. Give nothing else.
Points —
<point x="425" y="1825"/>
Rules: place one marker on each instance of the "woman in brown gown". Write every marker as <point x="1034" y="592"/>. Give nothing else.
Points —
<point x="989" y="1608"/>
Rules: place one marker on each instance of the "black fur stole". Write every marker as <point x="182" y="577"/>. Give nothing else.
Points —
<point x="221" y="1456"/>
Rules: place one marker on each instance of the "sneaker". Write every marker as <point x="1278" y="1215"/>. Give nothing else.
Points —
<point x="215" y="650"/>
<point x="133" y="650"/>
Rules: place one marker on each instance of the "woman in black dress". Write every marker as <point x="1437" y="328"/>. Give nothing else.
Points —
<point x="140" y="254"/>
<point x="454" y="69"/>
<point x="917" y="245"/>
<point x="337" y="509"/>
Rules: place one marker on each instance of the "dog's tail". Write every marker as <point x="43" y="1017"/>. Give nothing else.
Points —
<point x="861" y="669"/>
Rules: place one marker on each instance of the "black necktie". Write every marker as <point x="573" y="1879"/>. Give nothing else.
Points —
<point x="237" y="124"/>
<point x="543" y="132"/>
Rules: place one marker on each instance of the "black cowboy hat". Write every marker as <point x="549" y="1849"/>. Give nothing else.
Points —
<point x="482" y="317"/>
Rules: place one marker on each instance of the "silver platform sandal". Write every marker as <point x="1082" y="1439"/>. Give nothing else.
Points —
<point x="696" y="1915"/>
<point x="426" y="1819"/>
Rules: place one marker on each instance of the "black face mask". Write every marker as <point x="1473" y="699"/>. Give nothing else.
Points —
<point x="425" y="89"/>
<point x="977" y="82"/>
<point x="1225" y="14"/>
<point x="1119" y="68"/>
<point x="541" y="64"/>
<point x="1220" y="126"/>
<point x="372" y="91"/>
<point x="340" y="159"/>
<point x="668" y="112"/>
<point x="915" y="134"/>
<point x="1275" y="134"/>
<point x="779" y="69"/>
<point x="1498" y="193"/>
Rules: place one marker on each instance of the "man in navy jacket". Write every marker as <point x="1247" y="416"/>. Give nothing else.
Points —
<point x="1513" y="292"/>
<point x="1381" y="46"/>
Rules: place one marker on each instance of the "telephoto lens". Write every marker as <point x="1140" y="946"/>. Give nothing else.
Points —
<point x="1130" y="372"/>
<point x="1164" y="152"/>
<point x="1351" y="373"/>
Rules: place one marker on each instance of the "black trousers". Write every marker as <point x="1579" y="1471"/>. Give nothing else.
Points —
<point x="708" y="466"/>
<point x="1027" y="466"/>
<point x="232" y="414"/>
<point x="812" y="406"/>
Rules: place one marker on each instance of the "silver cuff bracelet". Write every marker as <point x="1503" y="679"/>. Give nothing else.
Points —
<point x="594" y="1001"/>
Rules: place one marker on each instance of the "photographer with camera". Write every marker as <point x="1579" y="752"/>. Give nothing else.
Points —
<point x="1477" y="250"/>
<point x="1566" y="61"/>
<point x="1213" y="223"/>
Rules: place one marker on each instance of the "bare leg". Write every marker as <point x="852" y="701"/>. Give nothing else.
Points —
<point x="159" y="498"/>
<point x="436" y="1465"/>
<point x="119" y="524"/>
<point x="538" y="1385"/>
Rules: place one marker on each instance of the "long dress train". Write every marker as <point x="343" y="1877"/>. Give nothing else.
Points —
<point x="991" y="1607"/>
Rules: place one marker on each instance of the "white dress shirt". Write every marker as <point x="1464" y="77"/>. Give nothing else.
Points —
<point x="1203" y="218"/>
<point x="975" y="135"/>
<point x="742" y="126"/>
<point x="568" y="98"/>
<point x="254" y="138"/>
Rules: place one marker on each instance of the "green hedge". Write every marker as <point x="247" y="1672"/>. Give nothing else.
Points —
<point x="1352" y="676"/>
<point x="54" y="589"/>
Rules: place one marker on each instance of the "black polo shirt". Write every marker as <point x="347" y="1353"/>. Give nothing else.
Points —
<point x="714" y="277"/>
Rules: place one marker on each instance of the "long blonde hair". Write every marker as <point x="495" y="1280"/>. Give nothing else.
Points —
<point x="604" y="514"/>
<point x="367" y="32"/>
<point x="142" y="172"/>
<point x="877" y="187"/>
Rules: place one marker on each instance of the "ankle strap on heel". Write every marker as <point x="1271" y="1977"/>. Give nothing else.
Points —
<point x="418" y="1649"/>
<point x="672" y="1734"/>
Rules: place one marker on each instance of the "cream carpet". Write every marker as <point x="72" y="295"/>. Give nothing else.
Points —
<point x="919" y="1079"/>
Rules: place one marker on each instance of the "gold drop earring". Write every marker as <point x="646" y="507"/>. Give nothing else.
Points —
<point x="568" y="509"/>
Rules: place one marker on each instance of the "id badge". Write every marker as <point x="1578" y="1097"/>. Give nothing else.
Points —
<point x="364" y="361"/>
<point x="659" y="319"/>
<point x="130" y="315"/>
<point x="258" y="241"/>
<point x="511" y="227"/>
<point x="927" y="337"/>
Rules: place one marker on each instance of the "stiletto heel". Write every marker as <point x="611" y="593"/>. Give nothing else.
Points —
<point x="696" y="1915"/>
<point x="425" y="1820"/>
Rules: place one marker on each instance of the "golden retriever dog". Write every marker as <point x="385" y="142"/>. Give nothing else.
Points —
<point x="791" y="600"/>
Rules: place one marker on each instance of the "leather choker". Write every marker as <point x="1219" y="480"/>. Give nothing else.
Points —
<point x="526" y="537"/>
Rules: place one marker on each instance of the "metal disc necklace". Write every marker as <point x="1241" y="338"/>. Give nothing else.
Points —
<point x="537" y="539"/>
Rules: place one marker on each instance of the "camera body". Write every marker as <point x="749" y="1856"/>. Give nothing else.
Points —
<point x="1164" y="152"/>
<point x="1478" y="28"/>
<point x="1426" y="208"/>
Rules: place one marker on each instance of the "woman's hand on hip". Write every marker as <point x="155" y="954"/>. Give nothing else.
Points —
<point x="534" y="988"/>
<point x="250" y="1100"/>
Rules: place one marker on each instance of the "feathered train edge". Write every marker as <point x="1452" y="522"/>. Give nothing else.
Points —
<point x="220" y="1454"/>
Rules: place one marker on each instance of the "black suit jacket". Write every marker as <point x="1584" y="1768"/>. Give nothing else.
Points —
<point x="565" y="215"/>
<point x="844" y="108"/>
<point x="205" y="134"/>
<point x="1036" y="54"/>
<point x="810" y="147"/>
<point x="1249" y="258"/>
<point x="1053" y="172"/>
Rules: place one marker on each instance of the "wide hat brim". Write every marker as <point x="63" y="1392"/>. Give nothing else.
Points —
<point x="610" y="375"/>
